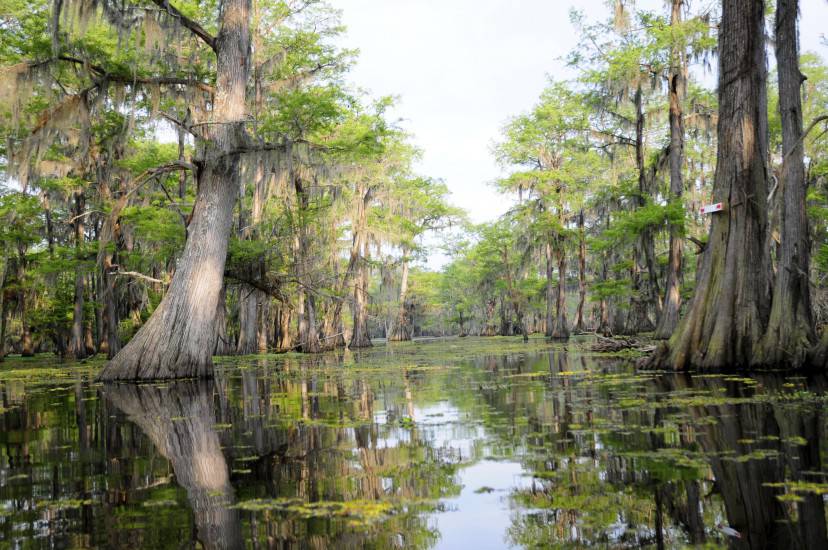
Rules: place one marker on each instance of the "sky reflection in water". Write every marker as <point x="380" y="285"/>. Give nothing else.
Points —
<point x="473" y="443"/>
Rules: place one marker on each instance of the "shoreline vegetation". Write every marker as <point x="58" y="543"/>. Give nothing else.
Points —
<point x="183" y="180"/>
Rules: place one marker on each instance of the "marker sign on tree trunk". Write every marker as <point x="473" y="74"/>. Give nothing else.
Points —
<point x="710" y="208"/>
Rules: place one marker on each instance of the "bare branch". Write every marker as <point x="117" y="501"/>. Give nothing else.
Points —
<point x="701" y="245"/>
<point x="180" y="123"/>
<point x="111" y="221"/>
<point x="299" y="78"/>
<point x="814" y="123"/>
<point x="83" y="215"/>
<point x="184" y="219"/>
<point x="619" y="140"/>
<point x="158" y="171"/>
<point x="817" y="120"/>
<point x="187" y="23"/>
<point x="137" y="275"/>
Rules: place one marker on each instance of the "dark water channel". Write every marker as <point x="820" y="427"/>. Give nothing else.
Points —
<point x="458" y="444"/>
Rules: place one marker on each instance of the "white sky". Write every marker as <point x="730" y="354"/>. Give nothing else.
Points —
<point x="461" y="68"/>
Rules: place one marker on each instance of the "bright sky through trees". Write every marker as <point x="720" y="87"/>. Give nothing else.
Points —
<point x="463" y="67"/>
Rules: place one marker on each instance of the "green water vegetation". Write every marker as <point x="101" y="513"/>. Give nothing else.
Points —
<point x="368" y="449"/>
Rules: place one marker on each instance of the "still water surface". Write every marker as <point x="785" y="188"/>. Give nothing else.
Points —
<point x="476" y="443"/>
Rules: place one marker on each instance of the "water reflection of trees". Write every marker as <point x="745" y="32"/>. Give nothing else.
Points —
<point x="179" y="420"/>
<point x="315" y="435"/>
<point x="635" y="460"/>
<point x="109" y="470"/>
<point x="757" y="445"/>
<point x="619" y="459"/>
<point x="310" y="437"/>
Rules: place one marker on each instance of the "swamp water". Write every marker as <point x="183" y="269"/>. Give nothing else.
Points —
<point x="474" y="443"/>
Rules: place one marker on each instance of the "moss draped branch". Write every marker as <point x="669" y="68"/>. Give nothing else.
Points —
<point x="193" y="26"/>
<point x="101" y="74"/>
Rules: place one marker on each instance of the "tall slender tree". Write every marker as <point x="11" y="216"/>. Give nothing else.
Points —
<point x="676" y="86"/>
<point x="790" y="331"/>
<point x="729" y="311"/>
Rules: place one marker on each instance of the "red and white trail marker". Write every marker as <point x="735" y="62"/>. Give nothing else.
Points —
<point x="710" y="208"/>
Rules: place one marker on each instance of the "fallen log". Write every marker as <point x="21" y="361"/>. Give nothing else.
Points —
<point x="620" y="343"/>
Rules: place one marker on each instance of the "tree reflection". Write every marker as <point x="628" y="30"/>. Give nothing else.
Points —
<point x="625" y="459"/>
<point x="321" y="456"/>
<point x="756" y="447"/>
<point x="179" y="420"/>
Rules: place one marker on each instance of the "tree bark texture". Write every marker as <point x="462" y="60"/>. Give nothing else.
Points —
<point x="729" y="312"/>
<point x="580" y="323"/>
<point x="178" y="339"/>
<point x="672" y="293"/>
<point x="790" y="333"/>
<point x="77" y="343"/>
<point x="223" y="345"/>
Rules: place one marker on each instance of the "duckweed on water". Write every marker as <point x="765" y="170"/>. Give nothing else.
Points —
<point x="372" y="447"/>
<point x="801" y="487"/>
<point x="360" y="510"/>
<point x="63" y="504"/>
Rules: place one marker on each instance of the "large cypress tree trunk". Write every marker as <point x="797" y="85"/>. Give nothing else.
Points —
<point x="672" y="293"/>
<point x="580" y="324"/>
<point x="561" y="331"/>
<point x="360" y="337"/>
<point x="403" y="329"/>
<point x="790" y="332"/>
<point x="178" y="339"/>
<point x="77" y="344"/>
<point x="550" y="288"/>
<point x="729" y="311"/>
